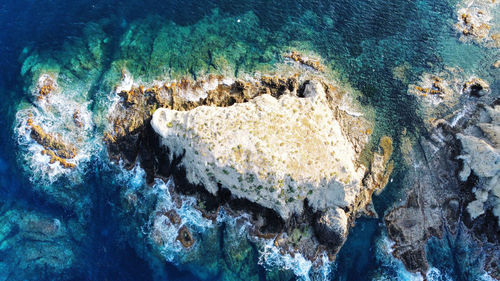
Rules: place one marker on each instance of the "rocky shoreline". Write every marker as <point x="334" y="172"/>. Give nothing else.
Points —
<point x="451" y="188"/>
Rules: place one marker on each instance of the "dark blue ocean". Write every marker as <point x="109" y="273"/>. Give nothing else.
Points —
<point x="363" y="40"/>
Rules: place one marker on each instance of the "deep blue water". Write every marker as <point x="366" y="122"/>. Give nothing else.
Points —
<point x="364" y="40"/>
<point x="48" y="25"/>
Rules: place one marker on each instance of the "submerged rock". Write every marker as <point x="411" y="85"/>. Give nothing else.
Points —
<point x="313" y="63"/>
<point x="35" y="246"/>
<point x="474" y="21"/>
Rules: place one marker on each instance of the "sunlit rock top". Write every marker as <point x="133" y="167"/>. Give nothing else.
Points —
<point x="273" y="151"/>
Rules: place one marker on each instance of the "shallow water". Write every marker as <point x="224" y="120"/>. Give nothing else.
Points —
<point x="361" y="41"/>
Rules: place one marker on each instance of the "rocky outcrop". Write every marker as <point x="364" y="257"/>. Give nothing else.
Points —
<point x="275" y="152"/>
<point x="45" y="86"/>
<point x="475" y="21"/>
<point x="312" y="63"/>
<point x="285" y="150"/>
<point x="55" y="128"/>
<point x="331" y="227"/>
<point x="53" y="145"/>
<point x="185" y="237"/>
<point x="480" y="154"/>
<point x="132" y="115"/>
<point x="453" y="180"/>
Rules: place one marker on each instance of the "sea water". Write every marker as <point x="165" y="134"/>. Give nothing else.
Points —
<point x="376" y="48"/>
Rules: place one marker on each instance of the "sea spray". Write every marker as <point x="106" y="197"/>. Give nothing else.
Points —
<point x="64" y="119"/>
<point x="391" y="268"/>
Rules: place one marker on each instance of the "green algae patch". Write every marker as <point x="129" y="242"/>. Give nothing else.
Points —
<point x="154" y="47"/>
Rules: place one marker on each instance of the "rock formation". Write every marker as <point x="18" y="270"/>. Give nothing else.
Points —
<point x="475" y="22"/>
<point x="45" y="86"/>
<point x="453" y="184"/>
<point x="283" y="149"/>
<point x="275" y="152"/>
<point x="53" y="145"/>
<point x="313" y="63"/>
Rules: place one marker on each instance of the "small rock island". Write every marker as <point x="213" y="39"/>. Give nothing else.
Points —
<point x="289" y="150"/>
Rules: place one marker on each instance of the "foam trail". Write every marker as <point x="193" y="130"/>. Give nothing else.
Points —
<point x="270" y="257"/>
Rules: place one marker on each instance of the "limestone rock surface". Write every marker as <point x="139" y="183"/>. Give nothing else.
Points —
<point x="275" y="152"/>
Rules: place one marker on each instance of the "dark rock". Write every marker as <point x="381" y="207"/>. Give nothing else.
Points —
<point x="330" y="228"/>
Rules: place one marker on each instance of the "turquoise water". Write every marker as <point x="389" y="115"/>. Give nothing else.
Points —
<point x="88" y="44"/>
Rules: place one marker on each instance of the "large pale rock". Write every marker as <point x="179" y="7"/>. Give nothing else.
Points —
<point x="275" y="152"/>
<point x="481" y="155"/>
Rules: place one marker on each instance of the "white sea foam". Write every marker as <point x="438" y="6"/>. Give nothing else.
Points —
<point x="162" y="228"/>
<point x="126" y="83"/>
<point x="270" y="257"/>
<point x="384" y="255"/>
<point x="134" y="178"/>
<point x="173" y="251"/>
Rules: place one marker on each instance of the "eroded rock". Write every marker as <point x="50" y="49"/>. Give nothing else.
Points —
<point x="273" y="146"/>
<point x="454" y="171"/>
<point x="481" y="156"/>
<point x="45" y="86"/>
<point x="332" y="227"/>
<point x="53" y="146"/>
<point x="184" y="236"/>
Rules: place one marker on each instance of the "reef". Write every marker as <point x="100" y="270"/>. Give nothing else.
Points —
<point x="35" y="246"/>
<point x="452" y="188"/>
<point x="270" y="146"/>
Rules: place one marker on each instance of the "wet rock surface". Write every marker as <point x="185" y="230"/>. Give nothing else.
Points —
<point x="185" y="237"/>
<point x="53" y="146"/>
<point x="300" y="58"/>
